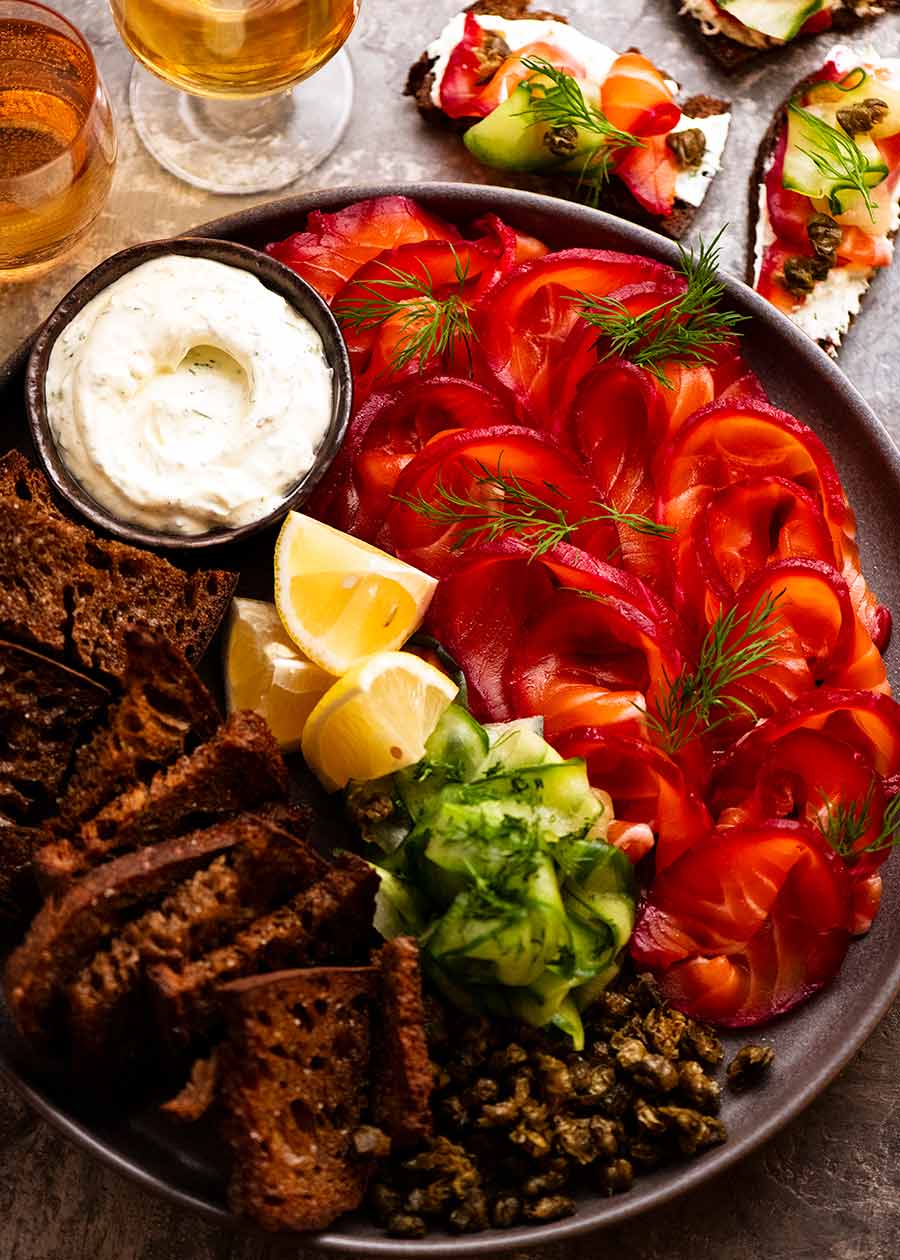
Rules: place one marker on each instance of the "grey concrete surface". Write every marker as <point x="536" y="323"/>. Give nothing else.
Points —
<point x="828" y="1188"/>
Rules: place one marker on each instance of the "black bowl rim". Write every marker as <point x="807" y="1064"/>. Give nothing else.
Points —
<point x="275" y="276"/>
<point x="472" y="200"/>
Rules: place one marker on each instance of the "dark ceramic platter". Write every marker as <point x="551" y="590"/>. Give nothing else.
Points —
<point x="814" y="1043"/>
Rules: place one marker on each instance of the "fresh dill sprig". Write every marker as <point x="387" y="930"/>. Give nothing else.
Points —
<point x="516" y="508"/>
<point x="431" y="326"/>
<point x="844" y="825"/>
<point x="561" y="106"/>
<point x="685" y="328"/>
<point x="839" y="159"/>
<point x="700" y="700"/>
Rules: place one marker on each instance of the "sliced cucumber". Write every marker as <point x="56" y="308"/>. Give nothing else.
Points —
<point x="399" y="907"/>
<point x="586" y="994"/>
<point x="510" y="140"/>
<point x="857" y="86"/>
<point x="559" y="795"/>
<point x="614" y="910"/>
<point x="454" y="753"/>
<point x="779" y="19"/>
<point x="507" y="945"/>
<point x="514" y="745"/>
<point x="818" y="155"/>
<point x="568" y="1020"/>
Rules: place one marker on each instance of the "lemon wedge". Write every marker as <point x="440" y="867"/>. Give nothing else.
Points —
<point x="341" y="600"/>
<point x="375" y="719"/>
<point x="265" y="672"/>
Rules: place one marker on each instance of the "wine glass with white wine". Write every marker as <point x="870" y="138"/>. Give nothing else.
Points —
<point x="231" y="103"/>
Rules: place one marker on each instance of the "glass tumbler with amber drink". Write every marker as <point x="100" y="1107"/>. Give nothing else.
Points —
<point x="242" y="95"/>
<point x="57" y="139"/>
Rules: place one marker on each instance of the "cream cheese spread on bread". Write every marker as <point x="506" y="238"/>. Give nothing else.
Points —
<point x="713" y="21"/>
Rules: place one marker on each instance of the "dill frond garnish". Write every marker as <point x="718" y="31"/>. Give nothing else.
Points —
<point x="844" y="825"/>
<point x="561" y="107"/>
<point x="430" y="326"/>
<point x="698" y="701"/>
<point x="838" y="159"/>
<point x="514" y="507"/>
<point x="686" y="328"/>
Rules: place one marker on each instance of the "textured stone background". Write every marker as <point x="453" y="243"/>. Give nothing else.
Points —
<point x="828" y="1188"/>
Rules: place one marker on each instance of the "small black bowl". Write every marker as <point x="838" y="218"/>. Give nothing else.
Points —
<point x="275" y="276"/>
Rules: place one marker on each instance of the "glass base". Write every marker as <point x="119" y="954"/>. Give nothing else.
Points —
<point x="243" y="146"/>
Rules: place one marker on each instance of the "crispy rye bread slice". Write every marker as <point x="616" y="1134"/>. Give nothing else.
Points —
<point x="328" y="921"/>
<point x="165" y="711"/>
<point x="44" y="710"/>
<point x="19" y="896"/>
<point x="403" y="1076"/>
<point x="615" y="198"/>
<point x="731" y="54"/>
<point x="107" y="1018"/>
<point x="766" y="150"/>
<point x="68" y="930"/>
<point x="240" y="767"/>
<point x="294" y="1084"/>
<point x="71" y="593"/>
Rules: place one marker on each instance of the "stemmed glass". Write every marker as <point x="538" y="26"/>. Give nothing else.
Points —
<point x="221" y="108"/>
<point x="57" y="138"/>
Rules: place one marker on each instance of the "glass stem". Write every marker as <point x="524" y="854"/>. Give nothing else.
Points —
<point x="257" y="117"/>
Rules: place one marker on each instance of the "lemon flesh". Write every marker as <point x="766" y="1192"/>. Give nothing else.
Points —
<point x="375" y="719"/>
<point x="340" y="599"/>
<point x="265" y="672"/>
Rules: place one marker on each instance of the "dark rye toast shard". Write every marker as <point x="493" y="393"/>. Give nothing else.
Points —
<point x="403" y="1076"/>
<point x="66" y="591"/>
<point x="733" y="43"/>
<point x="69" y="930"/>
<point x="815" y="256"/>
<point x="294" y="1088"/>
<point x="19" y="894"/>
<point x="240" y="767"/>
<point x="109" y="1019"/>
<point x="165" y="712"/>
<point x="45" y="709"/>
<point x="329" y="921"/>
<point x="661" y="184"/>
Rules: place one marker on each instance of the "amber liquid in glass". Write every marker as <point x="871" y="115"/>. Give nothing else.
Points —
<point x="234" y="49"/>
<point x="57" y="145"/>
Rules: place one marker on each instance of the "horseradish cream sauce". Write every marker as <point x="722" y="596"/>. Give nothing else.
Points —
<point x="187" y="396"/>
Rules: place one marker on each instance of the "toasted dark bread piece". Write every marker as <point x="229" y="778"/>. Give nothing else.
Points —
<point x="615" y="197"/>
<point x="295" y="1075"/>
<point x="45" y="708"/>
<point x="72" y="593"/>
<point x="240" y="767"/>
<point x="20" y="479"/>
<point x="731" y="54"/>
<point x="68" y="930"/>
<point x="330" y="921"/>
<point x="165" y="712"/>
<point x="19" y="895"/>
<point x="198" y="1094"/>
<point x="108" y="1016"/>
<point x="766" y="151"/>
<point x="403" y="1076"/>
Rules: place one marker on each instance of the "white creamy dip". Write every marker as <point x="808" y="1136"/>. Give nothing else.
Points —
<point x="187" y="396"/>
